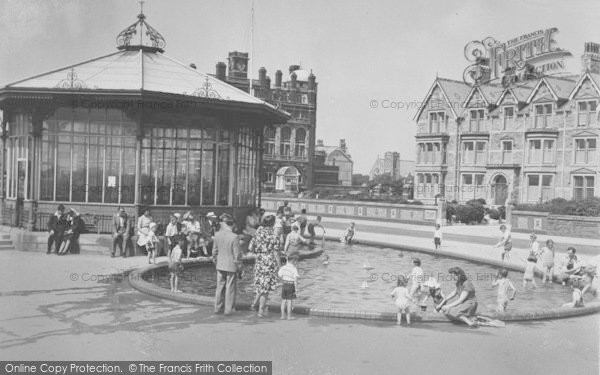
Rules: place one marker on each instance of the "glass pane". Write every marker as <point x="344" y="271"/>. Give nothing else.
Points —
<point x="162" y="165"/>
<point x="208" y="170"/>
<point x="180" y="170"/>
<point x="111" y="175"/>
<point x="578" y="181"/>
<point x="223" y="194"/>
<point x="547" y="180"/>
<point x="47" y="167"/>
<point x="128" y="171"/>
<point x="96" y="166"/>
<point x="147" y="177"/>
<point x="195" y="168"/>
<point x="79" y="169"/>
<point x="63" y="169"/>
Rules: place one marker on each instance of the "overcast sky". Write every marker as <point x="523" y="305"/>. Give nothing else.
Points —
<point x="360" y="52"/>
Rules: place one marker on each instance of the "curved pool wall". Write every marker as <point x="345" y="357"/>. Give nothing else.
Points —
<point x="137" y="281"/>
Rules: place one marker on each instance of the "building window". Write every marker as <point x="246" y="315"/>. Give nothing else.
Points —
<point x="543" y="115"/>
<point x="476" y="120"/>
<point x="583" y="187"/>
<point x="509" y="117"/>
<point x="468" y="153"/>
<point x="285" y="147"/>
<point x="540" y="187"/>
<point x="444" y="146"/>
<point x="586" y="113"/>
<point x="429" y="153"/>
<point x="548" y="155"/>
<point x="585" y="150"/>
<point x="270" y="133"/>
<point x="437" y="121"/>
<point x="541" y="151"/>
<point x="480" y="153"/>
<point x="304" y="99"/>
<point x="472" y="186"/>
<point x="269" y="177"/>
<point x="300" y="146"/>
<point x="507" y="147"/>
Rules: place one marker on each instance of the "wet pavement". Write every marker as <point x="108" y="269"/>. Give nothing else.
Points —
<point x="45" y="313"/>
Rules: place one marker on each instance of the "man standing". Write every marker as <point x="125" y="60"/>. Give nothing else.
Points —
<point x="57" y="224"/>
<point x="122" y="227"/>
<point x="227" y="259"/>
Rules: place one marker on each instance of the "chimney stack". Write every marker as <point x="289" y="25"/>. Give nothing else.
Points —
<point x="293" y="80"/>
<point x="221" y="68"/>
<point x="262" y="76"/>
<point x="312" y="81"/>
<point x="320" y="142"/>
<point x="590" y="60"/>
<point x="278" y="75"/>
<point x="343" y="144"/>
<point x="268" y="83"/>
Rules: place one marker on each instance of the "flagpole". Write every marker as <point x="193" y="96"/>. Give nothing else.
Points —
<point x="251" y="67"/>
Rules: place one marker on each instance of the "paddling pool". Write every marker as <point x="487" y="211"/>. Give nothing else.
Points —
<point x="346" y="285"/>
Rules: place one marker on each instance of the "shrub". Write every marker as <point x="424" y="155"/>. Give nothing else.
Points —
<point x="561" y="206"/>
<point x="480" y="201"/>
<point x="494" y="214"/>
<point x="502" y="211"/>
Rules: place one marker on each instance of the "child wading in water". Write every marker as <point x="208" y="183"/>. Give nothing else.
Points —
<point x="434" y="291"/>
<point x="289" y="275"/>
<point x="402" y="300"/>
<point x="546" y="255"/>
<point x="437" y="236"/>
<point x="175" y="266"/>
<point x="504" y="284"/>
<point x="151" y="243"/>
<point x="529" y="275"/>
<point x="348" y="234"/>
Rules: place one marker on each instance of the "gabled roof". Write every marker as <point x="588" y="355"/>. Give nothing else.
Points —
<point x="474" y="90"/>
<point x="136" y="71"/>
<point x="454" y="92"/>
<point x="594" y="79"/>
<point x="560" y="88"/>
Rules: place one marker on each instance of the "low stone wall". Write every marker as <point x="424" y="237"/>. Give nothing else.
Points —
<point x="558" y="225"/>
<point x="407" y="213"/>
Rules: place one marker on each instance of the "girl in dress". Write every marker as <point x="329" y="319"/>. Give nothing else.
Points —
<point x="529" y="275"/>
<point x="402" y="300"/>
<point x="151" y="243"/>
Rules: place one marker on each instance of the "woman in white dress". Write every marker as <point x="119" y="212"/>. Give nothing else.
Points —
<point x="143" y="228"/>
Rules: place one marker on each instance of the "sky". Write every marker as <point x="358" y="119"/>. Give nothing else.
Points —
<point x="364" y="54"/>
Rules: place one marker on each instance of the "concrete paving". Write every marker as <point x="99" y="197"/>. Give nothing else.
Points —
<point x="71" y="308"/>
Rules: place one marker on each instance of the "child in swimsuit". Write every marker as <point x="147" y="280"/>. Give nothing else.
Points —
<point x="529" y="275"/>
<point x="402" y="300"/>
<point x="504" y="284"/>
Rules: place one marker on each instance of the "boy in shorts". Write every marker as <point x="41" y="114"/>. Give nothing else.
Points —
<point x="289" y="275"/>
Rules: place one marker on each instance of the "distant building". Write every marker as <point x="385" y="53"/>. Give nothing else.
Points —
<point x="392" y="164"/>
<point x="288" y="148"/>
<point x="334" y="156"/>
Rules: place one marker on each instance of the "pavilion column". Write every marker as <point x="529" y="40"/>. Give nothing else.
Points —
<point x="3" y="171"/>
<point x="31" y="205"/>
<point x="139" y="135"/>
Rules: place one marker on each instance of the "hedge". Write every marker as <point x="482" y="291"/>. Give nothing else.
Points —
<point x="561" y="206"/>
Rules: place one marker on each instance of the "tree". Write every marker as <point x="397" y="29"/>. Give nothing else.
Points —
<point x="388" y="185"/>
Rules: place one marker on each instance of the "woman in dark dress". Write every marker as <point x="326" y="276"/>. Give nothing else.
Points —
<point x="265" y="244"/>
<point x="466" y="305"/>
<point x="71" y="236"/>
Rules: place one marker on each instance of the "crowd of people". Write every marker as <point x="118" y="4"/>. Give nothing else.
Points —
<point x="64" y="229"/>
<point x="416" y="290"/>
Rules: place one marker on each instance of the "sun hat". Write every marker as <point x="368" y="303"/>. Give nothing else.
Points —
<point x="211" y="214"/>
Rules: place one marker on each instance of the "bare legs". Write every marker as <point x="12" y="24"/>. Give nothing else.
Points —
<point x="399" y="316"/>
<point x="262" y="305"/>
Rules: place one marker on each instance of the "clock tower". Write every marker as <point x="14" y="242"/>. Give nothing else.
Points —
<point x="238" y="65"/>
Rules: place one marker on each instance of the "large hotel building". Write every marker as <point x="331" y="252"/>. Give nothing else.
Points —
<point x="532" y="141"/>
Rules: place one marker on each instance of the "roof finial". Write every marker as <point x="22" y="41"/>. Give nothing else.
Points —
<point x="142" y="6"/>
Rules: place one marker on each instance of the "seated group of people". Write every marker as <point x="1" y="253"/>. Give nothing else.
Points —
<point x="64" y="230"/>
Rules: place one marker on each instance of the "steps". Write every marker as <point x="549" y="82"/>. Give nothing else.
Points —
<point x="5" y="242"/>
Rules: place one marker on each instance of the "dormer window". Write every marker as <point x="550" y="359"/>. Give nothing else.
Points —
<point x="543" y="116"/>
<point x="476" y="118"/>
<point x="586" y="113"/>
<point x="436" y="121"/>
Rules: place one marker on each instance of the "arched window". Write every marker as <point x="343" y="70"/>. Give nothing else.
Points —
<point x="300" y="149"/>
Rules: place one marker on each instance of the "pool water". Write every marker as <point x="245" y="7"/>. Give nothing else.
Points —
<point x="345" y="283"/>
